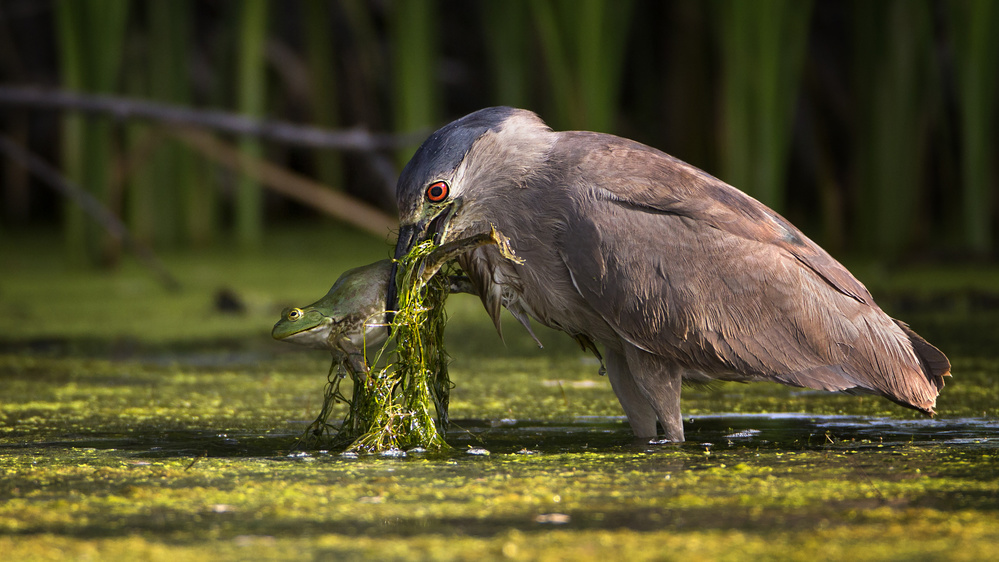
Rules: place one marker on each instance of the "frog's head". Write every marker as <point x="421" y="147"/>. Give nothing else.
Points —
<point x="307" y="326"/>
<point x="347" y="317"/>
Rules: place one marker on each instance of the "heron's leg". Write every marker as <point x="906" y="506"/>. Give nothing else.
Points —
<point x="659" y="381"/>
<point x="637" y="408"/>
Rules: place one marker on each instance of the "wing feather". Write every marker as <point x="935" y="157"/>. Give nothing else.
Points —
<point x="684" y="266"/>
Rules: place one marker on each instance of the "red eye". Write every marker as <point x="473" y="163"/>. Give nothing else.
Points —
<point x="437" y="192"/>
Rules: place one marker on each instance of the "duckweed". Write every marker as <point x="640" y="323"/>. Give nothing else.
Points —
<point x="176" y="442"/>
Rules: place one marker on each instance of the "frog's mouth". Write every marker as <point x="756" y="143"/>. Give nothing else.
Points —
<point x="316" y="337"/>
<point x="434" y="228"/>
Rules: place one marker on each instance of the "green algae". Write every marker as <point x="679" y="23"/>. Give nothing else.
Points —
<point x="167" y="434"/>
<point x="390" y="406"/>
<point x="582" y="503"/>
<point x="389" y="409"/>
<point x="188" y="463"/>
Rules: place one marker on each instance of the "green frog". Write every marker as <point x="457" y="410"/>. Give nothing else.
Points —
<point x="352" y="316"/>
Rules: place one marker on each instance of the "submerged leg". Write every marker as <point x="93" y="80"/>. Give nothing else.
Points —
<point x="637" y="408"/>
<point x="659" y="381"/>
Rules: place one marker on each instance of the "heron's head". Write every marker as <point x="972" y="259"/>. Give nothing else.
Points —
<point x="450" y="183"/>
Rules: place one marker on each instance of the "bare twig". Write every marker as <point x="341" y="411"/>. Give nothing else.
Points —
<point x="290" y="184"/>
<point x="370" y="147"/>
<point x="203" y="455"/>
<point x="90" y="205"/>
<point x="354" y="140"/>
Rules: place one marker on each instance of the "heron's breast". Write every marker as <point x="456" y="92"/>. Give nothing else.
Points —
<point x="549" y="295"/>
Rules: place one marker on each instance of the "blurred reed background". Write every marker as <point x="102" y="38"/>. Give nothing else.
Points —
<point x="871" y="125"/>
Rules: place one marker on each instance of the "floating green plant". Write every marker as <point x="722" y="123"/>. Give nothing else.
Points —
<point x="394" y="402"/>
<point x="390" y="406"/>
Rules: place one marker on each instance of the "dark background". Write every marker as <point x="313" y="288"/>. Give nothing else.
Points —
<point x="870" y="125"/>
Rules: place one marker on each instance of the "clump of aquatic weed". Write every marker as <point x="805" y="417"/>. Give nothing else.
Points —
<point x="389" y="408"/>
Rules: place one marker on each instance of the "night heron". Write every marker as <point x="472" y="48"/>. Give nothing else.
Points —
<point x="677" y="275"/>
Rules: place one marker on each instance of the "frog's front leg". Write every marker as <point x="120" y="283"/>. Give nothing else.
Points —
<point x="353" y="355"/>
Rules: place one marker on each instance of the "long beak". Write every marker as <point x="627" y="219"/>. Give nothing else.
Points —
<point x="409" y="236"/>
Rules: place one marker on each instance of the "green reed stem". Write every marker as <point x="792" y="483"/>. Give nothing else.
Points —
<point x="322" y="69"/>
<point x="91" y="36"/>
<point x="583" y="43"/>
<point x="892" y="84"/>
<point x="504" y="24"/>
<point x="763" y="47"/>
<point x="414" y="66"/>
<point x="976" y="46"/>
<point x="251" y="96"/>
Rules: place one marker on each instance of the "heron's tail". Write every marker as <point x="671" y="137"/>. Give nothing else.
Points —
<point x="935" y="365"/>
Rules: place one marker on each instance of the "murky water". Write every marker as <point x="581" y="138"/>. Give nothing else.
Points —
<point x="603" y="434"/>
<point x="773" y="431"/>
<point x="189" y="452"/>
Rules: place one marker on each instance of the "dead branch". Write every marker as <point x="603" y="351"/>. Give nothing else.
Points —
<point x="90" y="205"/>
<point x="290" y="184"/>
<point x="353" y="140"/>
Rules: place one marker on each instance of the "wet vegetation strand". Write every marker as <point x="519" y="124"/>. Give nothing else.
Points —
<point x="404" y="403"/>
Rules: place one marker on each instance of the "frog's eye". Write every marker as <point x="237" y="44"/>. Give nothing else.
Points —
<point x="437" y="192"/>
<point x="294" y="314"/>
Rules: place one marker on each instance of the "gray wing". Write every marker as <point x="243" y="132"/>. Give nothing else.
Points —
<point x="684" y="266"/>
<point x="671" y="186"/>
